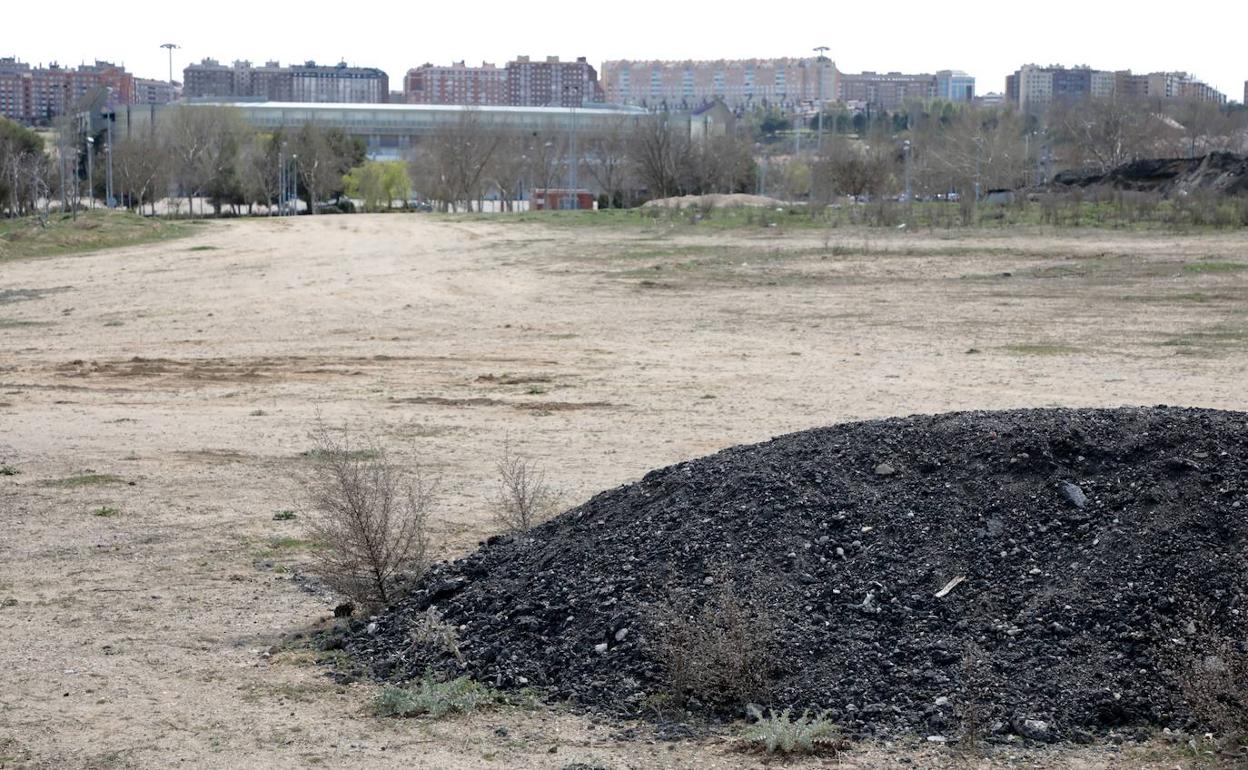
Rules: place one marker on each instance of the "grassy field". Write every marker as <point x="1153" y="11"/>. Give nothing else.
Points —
<point x="90" y="231"/>
<point x="1121" y="213"/>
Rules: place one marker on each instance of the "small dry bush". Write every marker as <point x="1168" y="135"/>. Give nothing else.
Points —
<point x="367" y="515"/>
<point x="431" y="633"/>
<point x="523" y="499"/>
<point x="720" y="653"/>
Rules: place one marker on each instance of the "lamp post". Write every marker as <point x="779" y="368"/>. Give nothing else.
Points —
<point x="906" y="148"/>
<point x="819" y="63"/>
<point x="90" y="174"/>
<point x="169" y="47"/>
<point x="109" y="200"/>
<point x="576" y="160"/>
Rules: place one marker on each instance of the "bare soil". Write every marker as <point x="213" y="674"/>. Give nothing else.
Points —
<point x="155" y="401"/>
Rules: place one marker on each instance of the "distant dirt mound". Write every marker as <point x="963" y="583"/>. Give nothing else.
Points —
<point x="1218" y="172"/>
<point x="718" y="201"/>
<point x="1058" y="569"/>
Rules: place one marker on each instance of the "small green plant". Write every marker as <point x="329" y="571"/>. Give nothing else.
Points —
<point x="257" y="413"/>
<point x="106" y="511"/>
<point x="433" y="698"/>
<point x="284" y="516"/>
<point x="87" y="479"/>
<point x="8" y="470"/>
<point x="782" y="734"/>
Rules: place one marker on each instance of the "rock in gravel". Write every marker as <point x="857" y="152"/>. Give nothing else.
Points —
<point x="1074" y="495"/>
<point x="847" y="570"/>
<point x="885" y="469"/>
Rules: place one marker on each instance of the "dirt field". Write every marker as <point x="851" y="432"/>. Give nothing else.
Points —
<point x="155" y="401"/>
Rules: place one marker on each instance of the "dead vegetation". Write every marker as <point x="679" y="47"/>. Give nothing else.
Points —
<point x="523" y="498"/>
<point x="366" y="514"/>
<point x="719" y="653"/>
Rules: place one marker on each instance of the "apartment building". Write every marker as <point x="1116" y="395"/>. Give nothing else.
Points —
<point x="738" y="83"/>
<point x="308" y="82"/>
<point x="37" y="95"/>
<point x="551" y="83"/>
<point x="147" y="91"/>
<point x="889" y="90"/>
<point x="1034" y="88"/>
<point x="456" y="84"/>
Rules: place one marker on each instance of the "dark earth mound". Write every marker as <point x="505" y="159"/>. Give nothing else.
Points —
<point x="1101" y="550"/>
<point x="1218" y="172"/>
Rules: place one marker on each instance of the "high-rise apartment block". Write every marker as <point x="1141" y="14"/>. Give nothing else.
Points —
<point x="37" y="95"/>
<point x="524" y="82"/>
<point x="1035" y="88"/>
<point x="739" y="83"/>
<point x="308" y="82"/>
<point x="552" y="83"/>
<point x="456" y="84"/>
<point x="889" y="90"/>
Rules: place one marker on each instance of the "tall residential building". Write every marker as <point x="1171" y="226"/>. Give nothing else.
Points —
<point x="738" y="83"/>
<point x="148" y="91"/>
<point x="36" y="95"/>
<point x="955" y="86"/>
<point x="306" y="82"/>
<point x="311" y="82"/>
<point x="551" y="83"/>
<point x="456" y="84"/>
<point x="1035" y="88"/>
<point x="889" y="90"/>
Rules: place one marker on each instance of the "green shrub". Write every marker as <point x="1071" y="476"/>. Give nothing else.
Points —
<point x="434" y="698"/>
<point x="782" y="734"/>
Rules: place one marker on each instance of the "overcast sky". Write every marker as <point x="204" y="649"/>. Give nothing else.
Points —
<point x="987" y="39"/>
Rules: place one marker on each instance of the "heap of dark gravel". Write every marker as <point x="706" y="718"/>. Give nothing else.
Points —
<point x="1101" y="551"/>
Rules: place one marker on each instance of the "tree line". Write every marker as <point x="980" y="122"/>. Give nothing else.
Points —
<point x="210" y="156"/>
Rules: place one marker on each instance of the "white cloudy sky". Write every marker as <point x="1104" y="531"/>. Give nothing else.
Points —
<point x="988" y="39"/>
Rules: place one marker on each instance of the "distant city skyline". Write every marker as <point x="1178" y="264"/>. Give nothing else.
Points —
<point x="974" y="36"/>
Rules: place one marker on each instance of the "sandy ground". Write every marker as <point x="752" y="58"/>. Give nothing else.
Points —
<point x="189" y="373"/>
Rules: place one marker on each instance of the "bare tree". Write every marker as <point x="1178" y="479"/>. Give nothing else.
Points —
<point x="367" y="515"/>
<point x="523" y="498"/>
<point x="655" y="150"/>
<point x="203" y="142"/>
<point x="508" y="169"/>
<point x="140" y="171"/>
<point x="453" y="163"/>
<point x="607" y="158"/>
<point x="1105" y="133"/>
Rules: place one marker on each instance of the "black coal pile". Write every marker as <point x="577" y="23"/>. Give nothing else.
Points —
<point x="1086" y="556"/>
<point x="1223" y="173"/>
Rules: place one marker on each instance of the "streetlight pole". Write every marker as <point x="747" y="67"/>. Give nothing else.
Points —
<point x="170" y="47"/>
<point x="906" y="147"/>
<point x="108" y="155"/>
<point x="819" y="63"/>
<point x="576" y="160"/>
<point x="90" y="174"/>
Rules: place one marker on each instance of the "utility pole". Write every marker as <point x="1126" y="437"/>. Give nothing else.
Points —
<point x="907" y="148"/>
<point x="108" y="155"/>
<point x="90" y="174"/>
<point x="819" y="63"/>
<point x="170" y="47"/>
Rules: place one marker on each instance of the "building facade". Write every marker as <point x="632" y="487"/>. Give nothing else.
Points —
<point x="890" y="90"/>
<point x="739" y="83"/>
<point x="147" y="91"/>
<point x="308" y="82"/>
<point x="955" y="86"/>
<point x="37" y="95"/>
<point x="552" y="83"/>
<point x="1035" y="88"/>
<point x="457" y="84"/>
